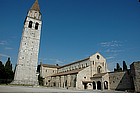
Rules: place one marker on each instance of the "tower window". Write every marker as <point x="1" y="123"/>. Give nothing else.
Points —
<point x="36" y="26"/>
<point x="30" y="24"/>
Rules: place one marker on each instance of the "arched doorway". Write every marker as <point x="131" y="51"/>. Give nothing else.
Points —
<point x="94" y="85"/>
<point x="105" y="85"/>
<point x="54" y="84"/>
<point x="99" y="85"/>
<point x="85" y="85"/>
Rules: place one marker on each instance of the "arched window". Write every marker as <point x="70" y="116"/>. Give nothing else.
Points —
<point x="30" y="24"/>
<point x="66" y="83"/>
<point x="105" y="85"/>
<point x="99" y="69"/>
<point x="75" y="82"/>
<point x="36" y="25"/>
<point x="94" y="85"/>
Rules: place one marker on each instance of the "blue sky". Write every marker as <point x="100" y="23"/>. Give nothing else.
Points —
<point x="75" y="29"/>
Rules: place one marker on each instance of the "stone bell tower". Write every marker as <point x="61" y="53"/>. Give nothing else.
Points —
<point x="26" y="68"/>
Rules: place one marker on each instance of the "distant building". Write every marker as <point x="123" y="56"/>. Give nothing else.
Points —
<point x="91" y="74"/>
<point x="29" y="48"/>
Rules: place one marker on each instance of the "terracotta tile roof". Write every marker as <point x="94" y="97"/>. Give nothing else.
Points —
<point x="67" y="73"/>
<point x="35" y="6"/>
<point x="98" y="75"/>
<point x="50" y="66"/>
<point x="75" y="62"/>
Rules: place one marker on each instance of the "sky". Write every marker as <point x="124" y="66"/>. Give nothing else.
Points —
<point x="75" y="29"/>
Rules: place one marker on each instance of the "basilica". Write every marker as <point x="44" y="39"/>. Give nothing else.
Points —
<point x="87" y="74"/>
<point x="91" y="74"/>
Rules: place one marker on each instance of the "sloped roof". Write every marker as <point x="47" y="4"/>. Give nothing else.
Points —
<point x="75" y="62"/>
<point x="50" y="66"/>
<point x="35" y="6"/>
<point x="67" y="73"/>
<point x="98" y="75"/>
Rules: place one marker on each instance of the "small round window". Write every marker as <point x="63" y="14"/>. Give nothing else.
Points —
<point x="98" y="57"/>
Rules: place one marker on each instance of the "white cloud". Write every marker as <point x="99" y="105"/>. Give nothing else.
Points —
<point x="8" y="48"/>
<point x="113" y="43"/>
<point x="110" y="57"/>
<point x="4" y="55"/>
<point x="2" y="42"/>
<point x="113" y="50"/>
<point x="57" y="61"/>
<point x="53" y="61"/>
<point x="111" y="65"/>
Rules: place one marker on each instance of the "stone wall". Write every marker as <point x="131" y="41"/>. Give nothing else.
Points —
<point x="135" y="74"/>
<point x="83" y="76"/>
<point x="26" y="68"/>
<point x="120" y="81"/>
<point x="47" y="70"/>
<point x="62" y="81"/>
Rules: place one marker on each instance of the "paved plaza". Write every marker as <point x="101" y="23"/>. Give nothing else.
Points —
<point x="40" y="89"/>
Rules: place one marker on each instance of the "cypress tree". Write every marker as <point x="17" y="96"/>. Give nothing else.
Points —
<point x="2" y="73"/>
<point x="9" y="74"/>
<point x="118" y="68"/>
<point x="124" y="66"/>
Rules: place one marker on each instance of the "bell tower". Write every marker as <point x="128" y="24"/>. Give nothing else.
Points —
<point x="26" y="68"/>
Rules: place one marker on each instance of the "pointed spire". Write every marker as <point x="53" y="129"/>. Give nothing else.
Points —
<point x="35" y="6"/>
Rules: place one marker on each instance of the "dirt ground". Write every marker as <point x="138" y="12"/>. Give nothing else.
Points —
<point x="30" y="89"/>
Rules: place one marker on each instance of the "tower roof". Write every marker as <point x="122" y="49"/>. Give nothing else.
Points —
<point x="35" y="6"/>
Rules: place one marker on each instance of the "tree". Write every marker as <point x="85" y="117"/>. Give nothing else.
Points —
<point x="40" y="80"/>
<point x="118" y="68"/>
<point x="9" y="74"/>
<point x="2" y="73"/>
<point x="124" y="66"/>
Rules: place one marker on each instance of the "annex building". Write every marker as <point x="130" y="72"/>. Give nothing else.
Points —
<point x="91" y="74"/>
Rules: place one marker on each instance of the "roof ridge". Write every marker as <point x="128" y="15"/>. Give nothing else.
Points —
<point x="78" y="61"/>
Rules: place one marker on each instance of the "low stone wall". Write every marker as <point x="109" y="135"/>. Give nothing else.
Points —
<point x="135" y="73"/>
<point x="120" y="81"/>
